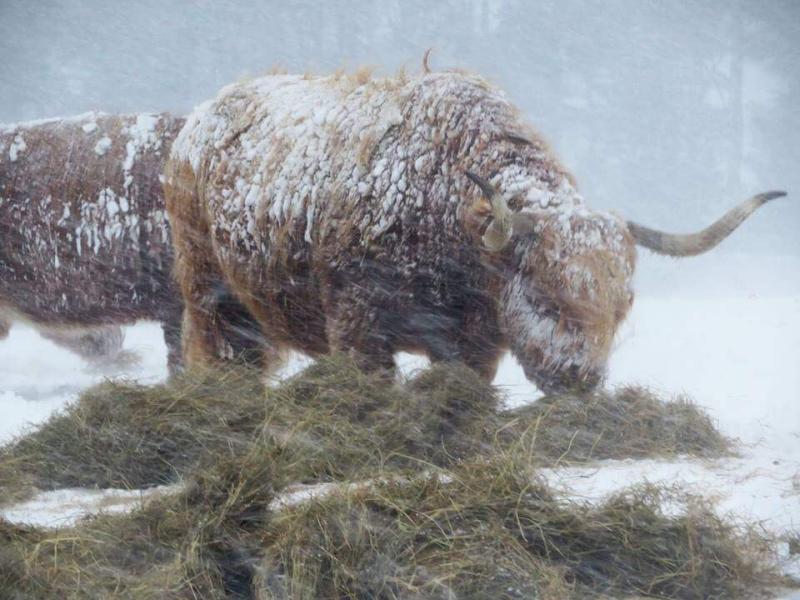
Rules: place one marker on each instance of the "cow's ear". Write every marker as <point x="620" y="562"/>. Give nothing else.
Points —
<point x="489" y="216"/>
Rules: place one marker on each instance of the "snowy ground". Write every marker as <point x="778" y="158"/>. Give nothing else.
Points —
<point x="729" y="337"/>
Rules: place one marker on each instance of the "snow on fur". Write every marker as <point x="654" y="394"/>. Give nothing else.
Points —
<point x="85" y="239"/>
<point x="341" y="215"/>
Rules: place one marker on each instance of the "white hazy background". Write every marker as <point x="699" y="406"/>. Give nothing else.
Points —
<point x="667" y="112"/>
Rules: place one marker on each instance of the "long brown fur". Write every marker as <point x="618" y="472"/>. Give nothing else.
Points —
<point x="72" y="263"/>
<point x="332" y="277"/>
<point x="360" y="216"/>
<point x="66" y="259"/>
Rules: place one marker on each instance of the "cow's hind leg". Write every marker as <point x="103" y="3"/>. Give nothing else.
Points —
<point x="240" y="336"/>
<point x="5" y="327"/>
<point x="171" y="326"/>
<point x="243" y="339"/>
<point x="203" y="338"/>
<point x="197" y="273"/>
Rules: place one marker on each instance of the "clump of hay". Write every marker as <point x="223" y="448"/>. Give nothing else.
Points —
<point x="191" y="544"/>
<point x="356" y="424"/>
<point x="449" y="505"/>
<point x="335" y="423"/>
<point x="630" y="422"/>
<point x="483" y="529"/>
<point x="131" y="436"/>
<point x="492" y="530"/>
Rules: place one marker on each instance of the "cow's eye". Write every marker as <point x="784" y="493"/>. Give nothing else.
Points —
<point x="550" y="311"/>
<point x="516" y="203"/>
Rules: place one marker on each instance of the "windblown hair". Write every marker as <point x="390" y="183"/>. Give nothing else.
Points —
<point x="417" y="213"/>
<point x="339" y="212"/>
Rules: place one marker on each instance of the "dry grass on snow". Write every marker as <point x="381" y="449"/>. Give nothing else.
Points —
<point x="453" y="507"/>
<point x="338" y="423"/>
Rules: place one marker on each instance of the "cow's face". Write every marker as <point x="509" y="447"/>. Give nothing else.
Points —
<point x="567" y="283"/>
<point x="567" y="292"/>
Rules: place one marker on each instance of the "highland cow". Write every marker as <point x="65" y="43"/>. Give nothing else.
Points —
<point x="401" y="214"/>
<point x="84" y="236"/>
<point x="85" y="243"/>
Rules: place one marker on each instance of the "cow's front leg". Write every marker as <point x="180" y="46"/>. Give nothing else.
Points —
<point x="484" y="362"/>
<point x="354" y="328"/>
<point x="5" y="327"/>
<point x="482" y="358"/>
<point x="470" y="339"/>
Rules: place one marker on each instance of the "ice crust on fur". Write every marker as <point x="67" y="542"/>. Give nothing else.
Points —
<point x="322" y="169"/>
<point x="84" y="234"/>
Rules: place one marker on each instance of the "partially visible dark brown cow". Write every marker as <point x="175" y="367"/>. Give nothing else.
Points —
<point x="84" y="238"/>
<point x="85" y="244"/>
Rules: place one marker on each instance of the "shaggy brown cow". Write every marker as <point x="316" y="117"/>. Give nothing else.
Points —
<point x="422" y="214"/>
<point x="84" y="236"/>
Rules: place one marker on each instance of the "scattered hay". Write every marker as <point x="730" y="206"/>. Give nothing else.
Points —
<point x="492" y="530"/>
<point x="333" y="423"/>
<point x="189" y="545"/>
<point x="333" y="420"/>
<point x="353" y="425"/>
<point x="631" y="422"/>
<point x="451" y="507"/>
<point x="482" y="530"/>
<point x="125" y="435"/>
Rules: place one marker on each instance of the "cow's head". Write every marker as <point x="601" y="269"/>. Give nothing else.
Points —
<point x="567" y="280"/>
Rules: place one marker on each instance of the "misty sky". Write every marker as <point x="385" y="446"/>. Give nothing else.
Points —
<point x="667" y="112"/>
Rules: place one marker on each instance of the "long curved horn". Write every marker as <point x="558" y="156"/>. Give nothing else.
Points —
<point x="499" y="230"/>
<point x="696" y="243"/>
